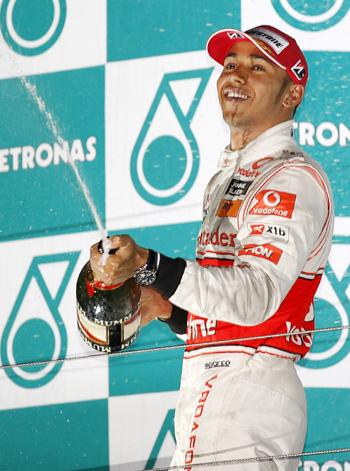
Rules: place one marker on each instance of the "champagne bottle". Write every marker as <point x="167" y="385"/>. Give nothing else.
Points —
<point x="108" y="316"/>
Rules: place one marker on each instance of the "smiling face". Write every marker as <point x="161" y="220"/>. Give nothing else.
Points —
<point x="254" y="93"/>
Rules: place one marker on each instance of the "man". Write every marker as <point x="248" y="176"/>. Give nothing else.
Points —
<point x="261" y="251"/>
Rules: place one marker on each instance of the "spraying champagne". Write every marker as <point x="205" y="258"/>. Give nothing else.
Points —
<point x="108" y="314"/>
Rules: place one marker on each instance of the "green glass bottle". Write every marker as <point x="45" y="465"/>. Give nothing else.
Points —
<point x="108" y="316"/>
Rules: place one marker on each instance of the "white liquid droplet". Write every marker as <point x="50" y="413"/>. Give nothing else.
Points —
<point x="106" y="245"/>
<point x="54" y="129"/>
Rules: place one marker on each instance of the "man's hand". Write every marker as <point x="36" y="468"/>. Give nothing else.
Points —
<point x="153" y="305"/>
<point x="127" y="256"/>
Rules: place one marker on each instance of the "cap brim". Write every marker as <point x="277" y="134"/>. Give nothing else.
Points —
<point x="221" y="42"/>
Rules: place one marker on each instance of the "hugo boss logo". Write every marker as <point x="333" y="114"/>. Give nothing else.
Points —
<point x="32" y="27"/>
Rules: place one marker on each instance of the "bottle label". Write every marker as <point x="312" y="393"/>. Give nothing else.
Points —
<point x="131" y="326"/>
<point x="94" y="332"/>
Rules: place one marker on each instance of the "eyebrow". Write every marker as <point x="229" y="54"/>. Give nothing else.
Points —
<point x="257" y="56"/>
<point x="253" y="56"/>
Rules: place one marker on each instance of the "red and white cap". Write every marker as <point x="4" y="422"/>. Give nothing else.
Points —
<point x="277" y="46"/>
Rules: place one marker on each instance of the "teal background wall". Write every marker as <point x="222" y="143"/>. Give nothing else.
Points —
<point x="132" y="91"/>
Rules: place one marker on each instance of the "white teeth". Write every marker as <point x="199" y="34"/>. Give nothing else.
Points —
<point x="234" y="94"/>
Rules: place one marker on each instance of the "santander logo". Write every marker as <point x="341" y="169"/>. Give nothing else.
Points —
<point x="221" y="238"/>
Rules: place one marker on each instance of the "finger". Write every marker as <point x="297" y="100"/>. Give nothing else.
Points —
<point x="122" y="241"/>
<point x="94" y="248"/>
<point x="146" y="293"/>
<point x="146" y="319"/>
<point x="117" y="244"/>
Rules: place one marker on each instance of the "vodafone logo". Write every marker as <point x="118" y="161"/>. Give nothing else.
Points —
<point x="271" y="199"/>
<point x="266" y="251"/>
<point x="297" y="336"/>
<point x="274" y="203"/>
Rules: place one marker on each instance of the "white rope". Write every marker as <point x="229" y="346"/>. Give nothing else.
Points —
<point x="170" y="347"/>
<point x="253" y="459"/>
<point x="204" y="344"/>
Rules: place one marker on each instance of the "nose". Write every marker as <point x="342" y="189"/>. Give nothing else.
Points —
<point x="239" y="74"/>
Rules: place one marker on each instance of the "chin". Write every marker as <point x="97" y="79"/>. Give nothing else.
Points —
<point x="228" y="113"/>
<point x="232" y="119"/>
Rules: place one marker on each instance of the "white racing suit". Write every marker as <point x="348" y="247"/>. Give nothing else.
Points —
<point x="261" y="251"/>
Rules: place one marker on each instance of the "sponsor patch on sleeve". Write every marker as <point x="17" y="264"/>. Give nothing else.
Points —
<point x="271" y="230"/>
<point x="274" y="203"/>
<point x="267" y="251"/>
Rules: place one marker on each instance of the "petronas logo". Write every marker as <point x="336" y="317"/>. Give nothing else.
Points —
<point x="35" y="330"/>
<point x="312" y="16"/>
<point x="165" y="159"/>
<point x="166" y="430"/>
<point x="32" y="27"/>
<point x="332" y="309"/>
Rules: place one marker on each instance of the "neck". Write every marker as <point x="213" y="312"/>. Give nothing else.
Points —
<point x="241" y="137"/>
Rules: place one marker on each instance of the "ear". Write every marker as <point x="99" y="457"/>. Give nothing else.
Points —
<point x="294" y="96"/>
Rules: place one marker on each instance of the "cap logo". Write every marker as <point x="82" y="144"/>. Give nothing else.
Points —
<point x="298" y="70"/>
<point x="264" y="46"/>
<point x="235" y="35"/>
<point x="272" y="39"/>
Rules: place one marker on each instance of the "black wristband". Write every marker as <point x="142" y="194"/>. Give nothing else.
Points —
<point x="169" y="274"/>
<point x="177" y="321"/>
